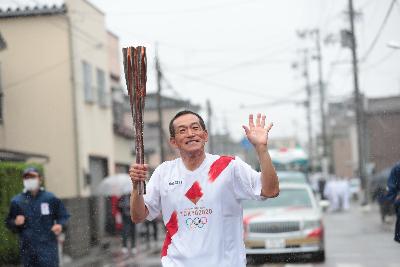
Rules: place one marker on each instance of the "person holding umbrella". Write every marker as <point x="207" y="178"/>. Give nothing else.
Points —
<point x="199" y="195"/>
<point x="118" y="186"/>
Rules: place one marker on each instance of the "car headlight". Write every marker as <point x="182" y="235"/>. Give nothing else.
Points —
<point x="314" y="229"/>
<point x="311" y="224"/>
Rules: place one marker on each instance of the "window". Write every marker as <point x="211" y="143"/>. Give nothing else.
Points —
<point x="101" y="89"/>
<point x="98" y="170"/>
<point x="87" y="82"/>
<point x="121" y="168"/>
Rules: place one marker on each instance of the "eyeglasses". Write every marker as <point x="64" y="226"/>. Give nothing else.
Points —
<point x="194" y="129"/>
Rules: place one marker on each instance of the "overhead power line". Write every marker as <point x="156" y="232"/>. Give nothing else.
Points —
<point x="333" y="68"/>
<point x="278" y="102"/>
<point x="46" y="69"/>
<point x="222" y="86"/>
<point x="171" y="87"/>
<point x="379" y="61"/>
<point x="223" y="5"/>
<point x="372" y="45"/>
<point x="275" y="42"/>
<point x="398" y="5"/>
<point x="247" y="64"/>
<point x="222" y="69"/>
<point x="259" y="60"/>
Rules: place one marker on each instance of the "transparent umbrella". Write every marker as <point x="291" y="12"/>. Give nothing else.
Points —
<point x="115" y="185"/>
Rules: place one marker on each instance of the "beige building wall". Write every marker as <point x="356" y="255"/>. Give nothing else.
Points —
<point x="114" y="55"/>
<point x="94" y="121"/>
<point x="343" y="157"/>
<point x="384" y="136"/>
<point x="123" y="150"/>
<point x="354" y="148"/>
<point x="123" y="147"/>
<point x="37" y="96"/>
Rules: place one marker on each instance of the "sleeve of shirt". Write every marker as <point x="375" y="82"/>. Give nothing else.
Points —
<point x="246" y="181"/>
<point x="61" y="213"/>
<point x="12" y="214"/>
<point x="152" y="198"/>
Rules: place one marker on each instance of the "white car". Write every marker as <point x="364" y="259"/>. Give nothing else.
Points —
<point x="288" y="225"/>
<point x="292" y="177"/>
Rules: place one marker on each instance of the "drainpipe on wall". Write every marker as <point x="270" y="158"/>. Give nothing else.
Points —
<point x="74" y="107"/>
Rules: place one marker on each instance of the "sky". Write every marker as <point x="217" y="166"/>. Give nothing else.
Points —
<point x="239" y="54"/>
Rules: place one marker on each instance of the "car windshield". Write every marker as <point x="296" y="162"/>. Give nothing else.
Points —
<point x="290" y="197"/>
<point x="292" y="177"/>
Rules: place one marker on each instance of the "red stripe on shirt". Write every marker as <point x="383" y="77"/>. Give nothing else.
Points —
<point x="172" y="228"/>
<point x="218" y="166"/>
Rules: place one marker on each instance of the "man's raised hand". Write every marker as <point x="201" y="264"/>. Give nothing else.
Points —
<point x="257" y="133"/>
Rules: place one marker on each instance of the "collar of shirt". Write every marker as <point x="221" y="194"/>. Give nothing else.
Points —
<point x="28" y="193"/>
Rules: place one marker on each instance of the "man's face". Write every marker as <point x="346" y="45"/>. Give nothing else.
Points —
<point x="189" y="135"/>
<point x="31" y="181"/>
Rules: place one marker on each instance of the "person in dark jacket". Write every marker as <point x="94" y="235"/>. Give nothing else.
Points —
<point x="393" y="195"/>
<point x="38" y="217"/>
<point x="128" y="227"/>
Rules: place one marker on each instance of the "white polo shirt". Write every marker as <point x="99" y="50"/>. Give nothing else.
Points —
<point x="202" y="210"/>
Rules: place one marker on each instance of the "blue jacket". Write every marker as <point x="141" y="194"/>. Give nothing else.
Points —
<point x="393" y="185"/>
<point x="41" y="213"/>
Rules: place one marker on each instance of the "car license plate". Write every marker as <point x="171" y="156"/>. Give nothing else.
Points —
<point x="275" y="243"/>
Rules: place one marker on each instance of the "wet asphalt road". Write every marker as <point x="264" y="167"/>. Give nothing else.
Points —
<point x="355" y="238"/>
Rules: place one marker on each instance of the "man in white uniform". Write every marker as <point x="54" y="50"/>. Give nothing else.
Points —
<point x="199" y="195"/>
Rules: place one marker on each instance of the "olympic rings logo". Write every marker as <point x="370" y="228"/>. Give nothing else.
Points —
<point x="197" y="222"/>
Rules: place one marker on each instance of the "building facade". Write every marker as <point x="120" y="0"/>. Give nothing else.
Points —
<point x="64" y="105"/>
<point x="342" y="137"/>
<point x="382" y="130"/>
<point x="56" y="104"/>
<point x="383" y="124"/>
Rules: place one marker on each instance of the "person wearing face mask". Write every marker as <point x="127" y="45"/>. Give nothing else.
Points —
<point x="38" y="217"/>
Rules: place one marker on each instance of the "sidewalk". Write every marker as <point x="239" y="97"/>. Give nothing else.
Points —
<point x="110" y="253"/>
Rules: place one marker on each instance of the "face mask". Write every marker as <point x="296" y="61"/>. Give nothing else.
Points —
<point x="31" y="184"/>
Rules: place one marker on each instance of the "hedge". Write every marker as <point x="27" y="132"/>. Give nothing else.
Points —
<point x="10" y="185"/>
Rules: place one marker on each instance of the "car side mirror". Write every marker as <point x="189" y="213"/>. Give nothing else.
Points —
<point x="324" y="204"/>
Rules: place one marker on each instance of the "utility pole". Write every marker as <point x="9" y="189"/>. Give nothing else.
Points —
<point x="159" y="111"/>
<point x="358" y="107"/>
<point x="307" y="104"/>
<point x="315" y="33"/>
<point x="324" y="162"/>
<point x="210" y="137"/>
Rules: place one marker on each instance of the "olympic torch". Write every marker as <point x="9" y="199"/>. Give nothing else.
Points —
<point x="135" y="68"/>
